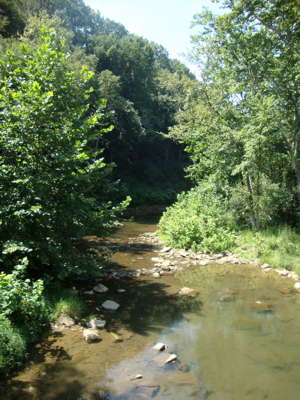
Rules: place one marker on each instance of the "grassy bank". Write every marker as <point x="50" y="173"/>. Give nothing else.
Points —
<point x="20" y="329"/>
<point x="279" y="247"/>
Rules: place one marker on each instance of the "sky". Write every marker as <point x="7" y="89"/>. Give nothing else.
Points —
<point x="166" y="22"/>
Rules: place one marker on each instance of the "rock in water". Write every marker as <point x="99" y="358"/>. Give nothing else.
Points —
<point x="297" y="286"/>
<point x="96" y="323"/>
<point x="65" y="320"/>
<point x="159" y="347"/>
<point x="262" y="307"/>
<point x="100" y="288"/>
<point x="186" y="291"/>
<point x="110" y="305"/>
<point x="91" y="335"/>
<point x="171" y="358"/>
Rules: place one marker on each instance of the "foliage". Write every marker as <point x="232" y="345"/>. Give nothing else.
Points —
<point x="242" y="127"/>
<point x="198" y="220"/>
<point x="48" y="169"/>
<point x="278" y="247"/>
<point x="12" y="346"/>
<point x="12" y="21"/>
<point x="22" y="300"/>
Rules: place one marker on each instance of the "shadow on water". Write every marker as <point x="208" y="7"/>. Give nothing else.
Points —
<point x="147" y="307"/>
<point x="150" y="306"/>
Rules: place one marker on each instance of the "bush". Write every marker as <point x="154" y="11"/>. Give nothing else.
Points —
<point x="22" y="301"/>
<point x="12" y="346"/>
<point x="198" y="221"/>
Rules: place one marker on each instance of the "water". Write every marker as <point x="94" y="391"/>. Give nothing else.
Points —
<point x="239" y="338"/>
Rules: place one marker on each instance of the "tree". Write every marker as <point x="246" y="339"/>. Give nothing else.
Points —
<point x="48" y="169"/>
<point x="245" y="132"/>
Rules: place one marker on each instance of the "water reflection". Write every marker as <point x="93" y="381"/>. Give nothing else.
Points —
<point x="234" y="348"/>
<point x="238" y="339"/>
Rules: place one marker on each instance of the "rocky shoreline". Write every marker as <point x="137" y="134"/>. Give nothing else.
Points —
<point x="170" y="260"/>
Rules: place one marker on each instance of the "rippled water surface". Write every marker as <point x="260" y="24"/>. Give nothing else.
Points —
<point x="239" y="338"/>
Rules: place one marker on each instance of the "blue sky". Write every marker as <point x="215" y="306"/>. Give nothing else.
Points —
<point x="166" y="22"/>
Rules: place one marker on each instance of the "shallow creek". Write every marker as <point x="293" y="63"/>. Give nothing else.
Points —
<point x="229" y="347"/>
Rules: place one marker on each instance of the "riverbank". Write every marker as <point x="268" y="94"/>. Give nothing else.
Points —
<point x="228" y="304"/>
<point x="146" y="280"/>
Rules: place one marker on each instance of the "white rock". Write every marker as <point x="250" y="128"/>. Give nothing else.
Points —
<point x="97" y="323"/>
<point x="65" y="320"/>
<point x="121" y="290"/>
<point x="110" y="305"/>
<point x="186" y="291"/>
<point x="136" y="377"/>
<point x="297" y="286"/>
<point x="159" y="347"/>
<point x="89" y="292"/>
<point x="171" y="358"/>
<point x="282" y="272"/>
<point x="91" y="335"/>
<point x="100" y="288"/>
<point x="156" y="275"/>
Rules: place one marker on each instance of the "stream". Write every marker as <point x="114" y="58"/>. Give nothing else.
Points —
<point x="237" y="338"/>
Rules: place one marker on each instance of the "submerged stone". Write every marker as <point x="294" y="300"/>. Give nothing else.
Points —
<point x="261" y="306"/>
<point x="100" y="288"/>
<point x="110" y="305"/>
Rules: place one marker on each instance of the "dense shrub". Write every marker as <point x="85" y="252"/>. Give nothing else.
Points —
<point x="22" y="301"/>
<point x="198" y="220"/>
<point x="12" y="346"/>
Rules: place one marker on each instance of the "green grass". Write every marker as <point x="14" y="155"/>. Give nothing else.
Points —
<point x="14" y="338"/>
<point x="279" y="247"/>
<point x="66" y="303"/>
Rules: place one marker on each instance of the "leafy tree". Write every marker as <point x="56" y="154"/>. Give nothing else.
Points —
<point x="243" y="130"/>
<point x="48" y="169"/>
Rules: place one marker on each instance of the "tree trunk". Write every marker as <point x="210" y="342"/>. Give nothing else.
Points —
<point x="254" y="217"/>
